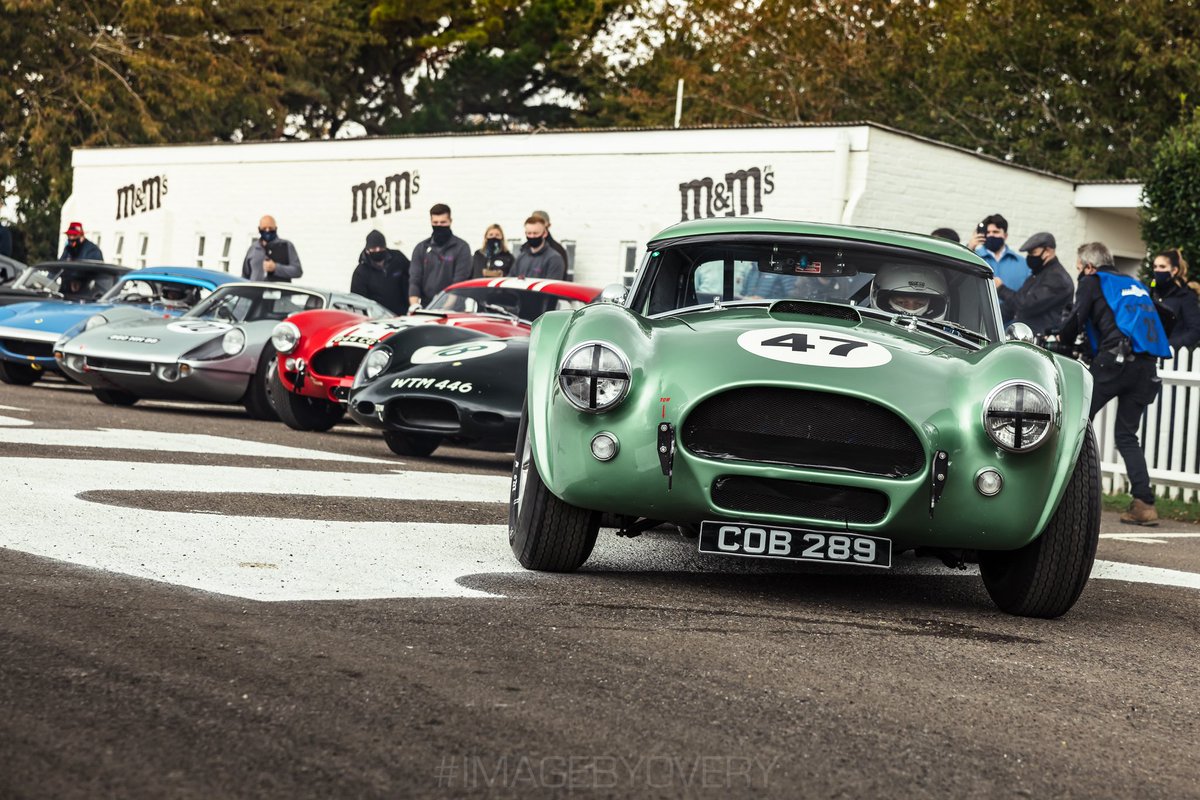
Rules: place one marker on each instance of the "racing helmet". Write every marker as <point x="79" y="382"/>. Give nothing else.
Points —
<point x="910" y="290"/>
<point x="177" y="293"/>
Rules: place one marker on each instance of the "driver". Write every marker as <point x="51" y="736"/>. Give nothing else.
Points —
<point x="910" y="290"/>
<point x="75" y="286"/>
<point x="179" y="295"/>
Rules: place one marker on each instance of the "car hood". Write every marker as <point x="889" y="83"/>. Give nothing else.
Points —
<point x="158" y="339"/>
<point x="45" y="320"/>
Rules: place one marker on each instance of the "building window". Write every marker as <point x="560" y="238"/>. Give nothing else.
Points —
<point x="631" y="262"/>
<point x="143" y="246"/>
<point x="200" y="250"/>
<point x="119" y="258"/>
<point x="224" y="263"/>
<point x="569" y="246"/>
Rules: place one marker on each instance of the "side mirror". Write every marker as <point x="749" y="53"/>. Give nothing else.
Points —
<point x="613" y="293"/>
<point x="1019" y="332"/>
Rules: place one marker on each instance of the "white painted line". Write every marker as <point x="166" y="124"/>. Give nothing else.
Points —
<point x="1143" y="539"/>
<point x="1151" y="535"/>
<point x="1135" y="573"/>
<point x="163" y="441"/>
<point x="12" y="408"/>
<point x="315" y="560"/>
<point x="13" y="422"/>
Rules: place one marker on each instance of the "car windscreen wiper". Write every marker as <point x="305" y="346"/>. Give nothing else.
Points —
<point x="950" y="331"/>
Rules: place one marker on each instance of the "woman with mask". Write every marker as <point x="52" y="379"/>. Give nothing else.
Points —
<point x="493" y="259"/>
<point x="1171" y="288"/>
<point x="382" y="275"/>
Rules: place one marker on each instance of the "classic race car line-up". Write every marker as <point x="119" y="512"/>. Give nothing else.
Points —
<point x="774" y="389"/>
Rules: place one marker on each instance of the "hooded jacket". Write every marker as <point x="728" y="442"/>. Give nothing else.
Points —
<point x="386" y="283"/>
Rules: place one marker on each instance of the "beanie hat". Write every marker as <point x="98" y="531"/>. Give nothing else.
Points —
<point x="376" y="239"/>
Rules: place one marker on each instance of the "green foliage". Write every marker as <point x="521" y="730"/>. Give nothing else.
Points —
<point x="1171" y="192"/>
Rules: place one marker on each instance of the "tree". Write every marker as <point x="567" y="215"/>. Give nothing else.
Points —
<point x="1171" y="192"/>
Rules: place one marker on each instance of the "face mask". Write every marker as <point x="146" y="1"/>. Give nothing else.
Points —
<point x="535" y="243"/>
<point x="74" y="243"/>
<point x="441" y="234"/>
<point x="379" y="257"/>
<point x="1162" y="278"/>
<point x="994" y="244"/>
<point x="266" y="235"/>
<point x="1035" y="262"/>
<point x="493" y="246"/>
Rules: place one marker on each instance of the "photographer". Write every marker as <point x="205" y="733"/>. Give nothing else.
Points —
<point x="1124" y="359"/>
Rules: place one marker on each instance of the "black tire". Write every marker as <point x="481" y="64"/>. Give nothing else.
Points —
<point x="258" y="399"/>
<point x="411" y="444"/>
<point x="544" y="532"/>
<point x="1045" y="577"/>
<point x="115" y="397"/>
<point x="299" y="412"/>
<point x="18" y="374"/>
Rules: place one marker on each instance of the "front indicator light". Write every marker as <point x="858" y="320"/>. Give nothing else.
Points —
<point x="605" y="446"/>
<point x="594" y="377"/>
<point x="1018" y="416"/>
<point x="989" y="482"/>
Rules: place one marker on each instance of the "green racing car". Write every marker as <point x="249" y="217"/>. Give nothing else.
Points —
<point x="812" y="393"/>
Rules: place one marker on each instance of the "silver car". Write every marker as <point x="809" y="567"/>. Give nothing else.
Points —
<point x="220" y="351"/>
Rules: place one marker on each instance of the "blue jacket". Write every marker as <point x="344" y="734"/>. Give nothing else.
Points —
<point x="88" y="251"/>
<point x="1010" y="267"/>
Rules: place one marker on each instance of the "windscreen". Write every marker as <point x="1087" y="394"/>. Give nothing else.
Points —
<point x="70" y="283"/>
<point x="892" y="279"/>
<point x="255" y="303"/>
<point x="158" y="290"/>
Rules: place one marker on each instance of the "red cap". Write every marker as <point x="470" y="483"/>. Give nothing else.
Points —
<point x="75" y="229"/>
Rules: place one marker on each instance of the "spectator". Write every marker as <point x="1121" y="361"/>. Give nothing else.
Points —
<point x="990" y="244"/>
<point x="493" y="259"/>
<point x="1170" y="288"/>
<point x="78" y="247"/>
<point x="1042" y="301"/>
<point x="438" y="261"/>
<point x="382" y="275"/>
<point x="759" y="285"/>
<point x="271" y="258"/>
<point x="5" y="241"/>
<point x="550" y="240"/>
<point x="947" y="233"/>
<point x="537" y="258"/>
<point x="1126" y="339"/>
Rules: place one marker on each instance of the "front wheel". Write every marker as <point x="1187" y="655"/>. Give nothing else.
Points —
<point x="258" y="399"/>
<point x="411" y="444"/>
<point x="115" y="397"/>
<point x="18" y="374"/>
<point x="544" y="532"/>
<point x="299" y="412"/>
<point x="1045" y="577"/>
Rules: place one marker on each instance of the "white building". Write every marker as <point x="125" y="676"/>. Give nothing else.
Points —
<point x="607" y="192"/>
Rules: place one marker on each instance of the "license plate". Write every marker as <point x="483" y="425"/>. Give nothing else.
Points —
<point x="794" y="544"/>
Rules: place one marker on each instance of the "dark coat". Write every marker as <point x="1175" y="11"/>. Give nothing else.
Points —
<point x="386" y="284"/>
<point x="1183" y="303"/>
<point x="88" y="251"/>
<point x="502" y="261"/>
<point x="1042" y="300"/>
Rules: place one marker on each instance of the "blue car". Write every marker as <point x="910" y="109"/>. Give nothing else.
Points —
<point x="29" y="331"/>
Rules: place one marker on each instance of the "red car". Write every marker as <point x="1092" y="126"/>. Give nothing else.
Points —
<point x="319" y="351"/>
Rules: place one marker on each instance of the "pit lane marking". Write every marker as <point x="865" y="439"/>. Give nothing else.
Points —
<point x="1149" y="538"/>
<point x="12" y="422"/>
<point x="163" y="441"/>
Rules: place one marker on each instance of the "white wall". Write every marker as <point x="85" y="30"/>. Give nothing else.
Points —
<point x="604" y="190"/>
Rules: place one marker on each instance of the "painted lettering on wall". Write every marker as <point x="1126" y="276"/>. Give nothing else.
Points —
<point x="739" y="195"/>
<point x="135" y="199"/>
<point x="394" y="193"/>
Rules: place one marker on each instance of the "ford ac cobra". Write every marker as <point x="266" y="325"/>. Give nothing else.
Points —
<point x="811" y="393"/>
<point x="29" y="330"/>
<point x="320" y="352"/>
<point x="217" y="352"/>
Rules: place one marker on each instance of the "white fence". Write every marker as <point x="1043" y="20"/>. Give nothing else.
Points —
<point x="1170" y="433"/>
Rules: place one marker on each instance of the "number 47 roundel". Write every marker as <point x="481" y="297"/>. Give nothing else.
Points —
<point x="814" y="347"/>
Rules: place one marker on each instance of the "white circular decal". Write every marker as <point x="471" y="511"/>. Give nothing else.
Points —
<point x="442" y="354"/>
<point x="198" y="326"/>
<point x="814" y="347"/>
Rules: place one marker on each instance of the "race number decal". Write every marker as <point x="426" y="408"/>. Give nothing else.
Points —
<point x="814" y="347"/>
<point x="199" y="326"/>
<point x="442" y="354"/>
<point x="367" y="334"/>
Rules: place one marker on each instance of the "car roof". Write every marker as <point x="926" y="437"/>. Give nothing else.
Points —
<point x="726" y="226"/>
<point x="116" y="269"/>
<point x="210" y="277"/>
<point x="567" y="289"/>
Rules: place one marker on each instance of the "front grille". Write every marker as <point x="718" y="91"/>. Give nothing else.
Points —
<point x="779" y="498"/>
<point x="118" y="365"/>
<point x="802" y="428"/>
<point x="24" y="347"/>
<point x="420" y="412"/>
<point x="337" y="362"/>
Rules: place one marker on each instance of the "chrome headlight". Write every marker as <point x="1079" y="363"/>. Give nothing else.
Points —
<point x="95" y="321"/>
<point x="1018" y="416"/>
<point x="233" y="342"/>
<point x="376" y="362"/>
<point x="285" y="337"/>
<point x="594" y="376"/>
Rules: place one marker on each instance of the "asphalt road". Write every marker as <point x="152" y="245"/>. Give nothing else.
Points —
<point x="195" y="604"/>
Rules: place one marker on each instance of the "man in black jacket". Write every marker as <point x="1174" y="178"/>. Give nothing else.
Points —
<point x="382" y="275"/>
<point x="1046" y="295"/>
<point x="78" y="247"/>
<point x="1124" y="360"/>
